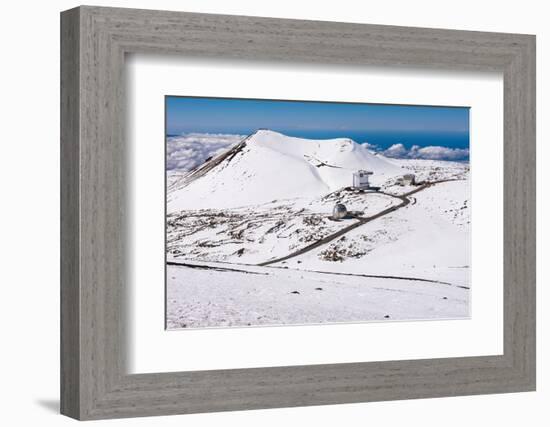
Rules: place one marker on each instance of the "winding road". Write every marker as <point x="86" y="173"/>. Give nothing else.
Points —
<point x="360" y="221"/>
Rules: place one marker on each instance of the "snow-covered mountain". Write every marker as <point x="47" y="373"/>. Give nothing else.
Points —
<point x="268" y="166"/>
<point x="251" y="239"/>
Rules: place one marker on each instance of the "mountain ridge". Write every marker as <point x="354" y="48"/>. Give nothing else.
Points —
<point x="267" y="165"/>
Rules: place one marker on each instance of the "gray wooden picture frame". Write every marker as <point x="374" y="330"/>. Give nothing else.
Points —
<point x="94" y="381"/>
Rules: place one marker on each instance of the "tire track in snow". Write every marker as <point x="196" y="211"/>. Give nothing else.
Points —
<point x="370" y="276"/>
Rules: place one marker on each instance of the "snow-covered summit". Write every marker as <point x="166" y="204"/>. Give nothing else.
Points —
<point x="268" y="165"/>
<point x="341" y="150"/>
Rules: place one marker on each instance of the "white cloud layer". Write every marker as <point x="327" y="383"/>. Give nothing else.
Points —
<point x="186" y="152"/>
<point x="431" y="152"/>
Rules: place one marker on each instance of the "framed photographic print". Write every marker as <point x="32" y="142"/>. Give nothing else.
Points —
<point x="343" y="235"/>
<point x="261" y="213"/>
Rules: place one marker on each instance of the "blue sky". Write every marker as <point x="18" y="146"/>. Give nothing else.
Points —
<point x="317" y="119"/>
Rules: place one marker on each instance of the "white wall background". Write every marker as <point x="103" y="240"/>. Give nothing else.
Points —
<point x="29" y="225"/>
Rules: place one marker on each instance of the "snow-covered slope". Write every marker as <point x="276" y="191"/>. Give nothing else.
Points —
<point x="251" y="240"/>
<point x="269" y="166"/>
<point x="429" y="238"/>
<point x="220" y="295"/>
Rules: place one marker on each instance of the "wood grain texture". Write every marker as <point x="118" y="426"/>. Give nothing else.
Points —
<point x="94" y="270"/>
<point x="70" y="291"/>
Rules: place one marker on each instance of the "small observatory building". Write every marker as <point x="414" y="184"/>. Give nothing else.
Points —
<point x="361" y="179"/>
<point x="339" y="211"/>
